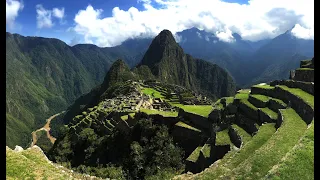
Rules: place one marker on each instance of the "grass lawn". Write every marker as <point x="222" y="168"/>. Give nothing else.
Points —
<point x="260" y="97"/>
<point x="305" y="69"/>
<point x="152" y="92"/>
<point x="269" y="112"/>
<point x="241" y="96"/>
<point x="299" y="162"/>
<point x="206" y="149"/>
<point x="32" y="164"/>
<point x="264" y="86"/>
<point x="246" y="137"/>
<point x="308" y="98"/>
<point x="163" y="113"/>
<point x="281" y="142"/>
<point x="247" y="103"/>
<point x="202" y="110"/>
<point x="193" y="157"/>
<point x="222" y="138"/>
<point x="233" y="158"/>
<point x="182" y="124"/>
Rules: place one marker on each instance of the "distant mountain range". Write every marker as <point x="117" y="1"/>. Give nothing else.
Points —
<point x="44" y="75"/>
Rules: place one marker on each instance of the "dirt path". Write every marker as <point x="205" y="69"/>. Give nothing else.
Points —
<point x="47" y="128"/>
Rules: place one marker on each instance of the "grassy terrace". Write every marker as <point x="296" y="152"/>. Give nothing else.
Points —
<point x="279" y="101"/>
<point x="206" y="149"/>
<point x="262" y="160"/>
<point x="152" y="92"/>
<point x="203" y="110"/>
<point x="299" y="162"/>
<point x="163" y="113"/>
<point x="182" y="124"/>
<point x="125" y="117"/>
<point x="263" y="86"/>
<point x="260" y="97"/>
<point x="269" y="112"/>
<point x="308" y="98"/>
<point x="243" y="134"/>
<point x="193" y="157"/>
<point x="247" y="103"/>
<point x="305" y="69"/>
<point x="218" y="105"/>
<point x="245" y="91"/>
<point x="222" y="138"/>
<point x="233" y="158"/>
<point x="241" y="96"/>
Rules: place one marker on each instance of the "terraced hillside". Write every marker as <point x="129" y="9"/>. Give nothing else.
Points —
<point x="269" y="131"/>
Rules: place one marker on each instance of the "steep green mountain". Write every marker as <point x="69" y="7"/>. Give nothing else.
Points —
<point x="168" y="63"/>
<point x="44" y="76"/>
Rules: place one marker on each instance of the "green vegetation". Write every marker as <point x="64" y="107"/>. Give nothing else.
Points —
<point x="270" y="113"/>
<point x="299" y="161"/>
<point x="152" y="92"/>
<point x="32" y="164"/>
<point x="145" y="151"/>
<point x="163" y="113"/>
<point x="202" y="110"/>
<point x="308" y="98"/>
<point x="193" y="157"/>
<point x="182" y="124"/>
<point x="241" y="96"/>
<point x="245" y="137"/>
<point x="259" y="163"/>
<point x="260" y="97"/>
<point x="279" y="101"/>
<point x="245" y="91"/>
<point x="206" y="149"/>
<point x="305" y="69"/>
<point x="263" y="86"/>
<point x="222" y="138"/>
<point x="234" y="158"/>
<point x="247" y="103"/>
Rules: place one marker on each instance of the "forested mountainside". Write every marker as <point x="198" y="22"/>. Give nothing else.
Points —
<point x="44" y="76"/>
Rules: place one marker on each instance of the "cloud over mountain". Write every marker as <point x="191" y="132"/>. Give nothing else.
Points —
<point x="12" y="10"/>
<point x="259" y="19"/>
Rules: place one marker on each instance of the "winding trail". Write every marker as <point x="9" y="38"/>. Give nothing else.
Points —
<point x="47" y="128"/>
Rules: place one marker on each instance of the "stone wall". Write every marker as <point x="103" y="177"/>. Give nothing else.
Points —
<point x="305" y="86"/>
<point x="275" y="105"/>
<point x="265" y="118"/>
<point x="235" y="137"/>
<point x="245" y="123"/>
<point x="304" y="75"/>
<point x="251" y="113"/>
<point x="197" y="120"/>
<point x="262" y="91"/>
<point x="304" y="110"/>
<point x="257" y="103"/>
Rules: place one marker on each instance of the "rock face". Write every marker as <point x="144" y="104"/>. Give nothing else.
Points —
<point x="304" y="75"/>
<point x="168" y="63"/>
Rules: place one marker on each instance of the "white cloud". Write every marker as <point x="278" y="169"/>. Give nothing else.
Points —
<point x="303" y="33"/>
<point x="44" y="16"/>
<point x="58" y="13"/>
<point x="12" y="9"/>
<point x="259" y="19"/>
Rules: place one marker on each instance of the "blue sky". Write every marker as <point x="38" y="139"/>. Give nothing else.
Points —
<point x="100" y="23"/>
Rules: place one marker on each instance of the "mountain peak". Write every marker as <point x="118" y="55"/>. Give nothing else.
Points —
<point x="163" y="45"/>
<point x="165" y="37"/>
